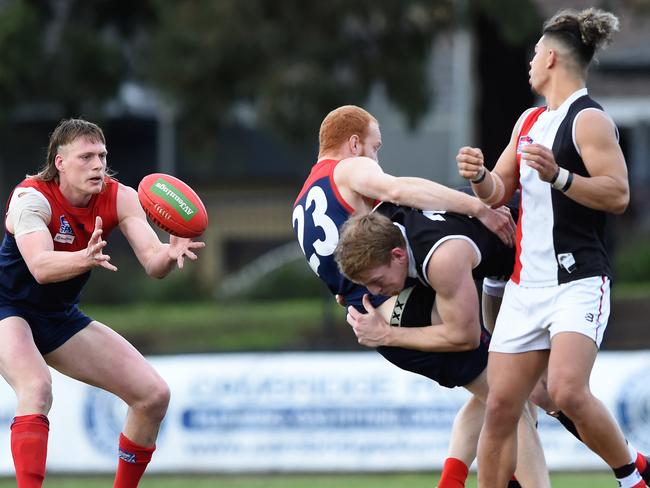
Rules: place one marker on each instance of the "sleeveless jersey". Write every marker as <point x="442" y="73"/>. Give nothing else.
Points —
<point x="71" y="228"/>
<point x="558" y="239"/>
<point x="425" y="231"/>
<point x="318" y="213"/>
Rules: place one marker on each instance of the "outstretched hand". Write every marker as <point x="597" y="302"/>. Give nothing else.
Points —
<point x="370" y="328"/>
<point x="500" y="221"/>
<point x="181" y="247"/>
<point x="96" y="244"/>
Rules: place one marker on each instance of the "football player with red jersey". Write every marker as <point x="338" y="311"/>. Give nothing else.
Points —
<point x="347" y="179"/>
<point x="56" y="225"/>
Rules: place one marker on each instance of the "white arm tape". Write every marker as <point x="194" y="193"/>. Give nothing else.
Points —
<point x="29" y="211"/>
<point x="498" y="190"/>
<point x="493" y="287"/>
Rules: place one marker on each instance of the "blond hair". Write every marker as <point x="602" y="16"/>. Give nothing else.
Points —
<point x="67" y="131"/>
<point x="341" y="124"/>
<point x="366" y="242"/>
<point x="582" y="33"/>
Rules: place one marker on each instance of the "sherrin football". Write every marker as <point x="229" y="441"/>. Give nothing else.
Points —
<point x="172" y="205"/>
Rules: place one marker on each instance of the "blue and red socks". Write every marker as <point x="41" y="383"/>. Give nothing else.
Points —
<point x="132" y="463"/>
<point x="29" y="434"/>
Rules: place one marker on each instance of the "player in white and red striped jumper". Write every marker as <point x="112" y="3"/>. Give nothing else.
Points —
<point x="567" y="160"/>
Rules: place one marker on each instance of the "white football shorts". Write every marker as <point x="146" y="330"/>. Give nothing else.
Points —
<point x="530" y="317"/>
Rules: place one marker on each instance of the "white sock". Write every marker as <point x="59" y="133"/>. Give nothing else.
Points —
<point x="630" y="481"/>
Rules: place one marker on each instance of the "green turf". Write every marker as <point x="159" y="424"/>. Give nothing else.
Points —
<point x="262" y="325"/>
<point x="216" y="327"/>
<point x="389" y="480"/>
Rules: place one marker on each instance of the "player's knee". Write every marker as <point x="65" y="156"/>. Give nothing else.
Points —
<point x="501" y="413"/>
<point x="569" y="398"/>
<point x="159" y="399"/>
<point x="35" y="395"/>
<point x="155" y="401"/>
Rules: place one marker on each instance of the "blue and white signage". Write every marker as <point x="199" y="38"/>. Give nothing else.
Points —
<point x="305" y="412"/>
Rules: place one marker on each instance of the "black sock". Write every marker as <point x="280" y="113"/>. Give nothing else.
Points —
<point x="624" y="471"/>
<point x="567" y="423"/>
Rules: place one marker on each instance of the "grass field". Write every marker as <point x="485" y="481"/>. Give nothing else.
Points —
<point x="195" y="327"/>
<point x="265" y="325"/>
<point x="418" y="480"/>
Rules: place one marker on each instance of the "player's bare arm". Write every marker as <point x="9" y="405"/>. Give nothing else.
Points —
<point x="372" y="329"/>
<point x="157" y="258"/>
<point x="606" y="188"/>
<point x="49" y="266"/>
<point x="450" y="274"/>
<point x="362" y="181"/>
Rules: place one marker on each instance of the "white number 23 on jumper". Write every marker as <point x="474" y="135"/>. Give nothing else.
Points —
<point x="316" y="204"/>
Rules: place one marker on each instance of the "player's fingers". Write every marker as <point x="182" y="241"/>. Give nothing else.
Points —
<point x="470" y="151"/>
<point x="196" y="244"/>
<point x="353" y="312"/>
<point x="509" y="230"/>
<point x="180" y="261"/>
<point x="366" y="303"/>
<point x="95" y="236"/>
<point x="506" y="234"/>
<point x="108" y="266"/>
<point x="350" y="320"/>
<point x="191" y="255"/>
<point x="103" y="260"/>
<point x="503" y="235"/>
<point x="98" y="222"/>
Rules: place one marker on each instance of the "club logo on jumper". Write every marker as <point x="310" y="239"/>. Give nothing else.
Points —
<point x="523" y="141"/>
<point x="633" y="408"/>
<point x="175" y="198"/>
<point x="65" y="234"/>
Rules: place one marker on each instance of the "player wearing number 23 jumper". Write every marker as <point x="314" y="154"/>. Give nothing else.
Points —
<point x="347" y="178"/>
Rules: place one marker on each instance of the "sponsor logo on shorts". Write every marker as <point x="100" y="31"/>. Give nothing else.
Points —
<point x="175" y="198"/>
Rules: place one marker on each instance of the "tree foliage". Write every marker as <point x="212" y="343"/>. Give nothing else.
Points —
<point x="286" y="61"/>
<point x="68" y="56"/>
<point x="291" y="60"/>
